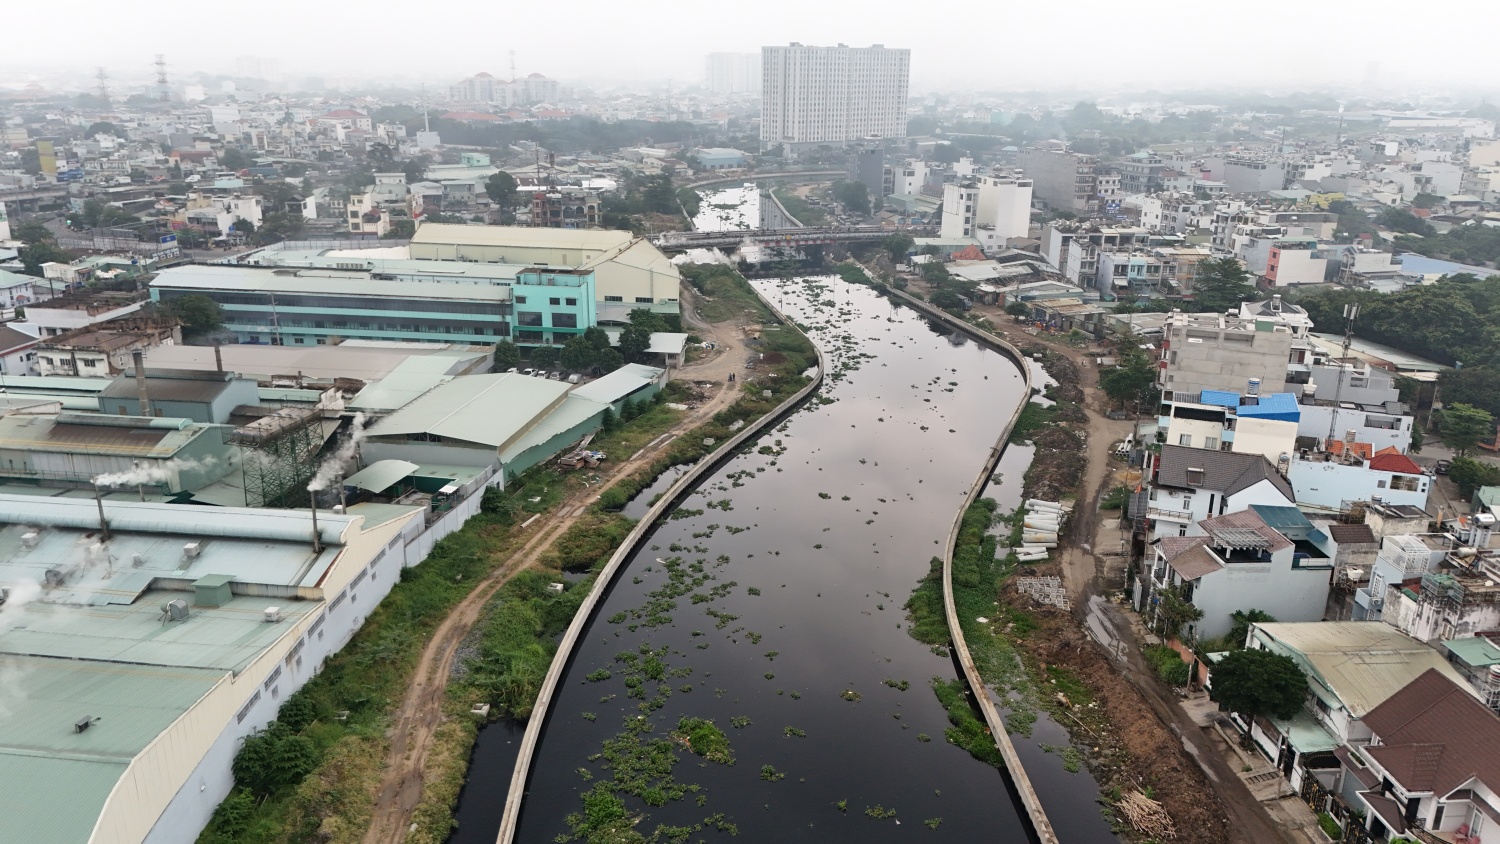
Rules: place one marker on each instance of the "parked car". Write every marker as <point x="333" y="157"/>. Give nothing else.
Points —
<point x="528" y="371"/>
<point x="554" y="376"/>
<point x="1441" y="467"/>
<point x="574" y="378"/>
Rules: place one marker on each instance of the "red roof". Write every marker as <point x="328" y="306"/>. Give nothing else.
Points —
<point x="1395" y="463"/>
<point x="969" y="253"/>
<point x="483" y="75"/>
<point x="1362" y="450"/>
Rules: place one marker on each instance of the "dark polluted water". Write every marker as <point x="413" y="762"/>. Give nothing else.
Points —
<point x="770" y="603"/>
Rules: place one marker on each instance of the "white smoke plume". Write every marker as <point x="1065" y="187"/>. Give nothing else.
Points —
<point x="155" y="472"/>
<point x="333" y="465"/>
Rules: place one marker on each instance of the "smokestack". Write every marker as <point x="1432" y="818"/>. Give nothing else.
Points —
<point x="218" y="358"/>
<point x="139" y="358"/>
<point x="317" y="538"/>
<point x="103" y="523"/>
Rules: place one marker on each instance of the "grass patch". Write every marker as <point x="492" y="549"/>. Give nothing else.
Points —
<point x="727" y="297"/>
<point x="966" y="728"/>
<point x="806" y="213"/>
<point x="1034" y="418"/>
<point x="1167" y="664"/>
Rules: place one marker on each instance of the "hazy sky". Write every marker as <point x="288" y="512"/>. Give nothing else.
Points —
<point x="1029" y="44"/>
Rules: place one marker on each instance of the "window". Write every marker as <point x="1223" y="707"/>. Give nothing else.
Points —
<point x="1211" y="443"/>
<point x="1194" y="476"/>
<point x="275" y="675"/>
<point x="1184" y="439"/>
<point x="531" y="319"/>
<point x="244" y="712"/>
<point x="554" y="301"/>
<point x="520" y="300"/>
<point x="572" y="303"/>
<point x="564" y="320"/>
<point x="643" y="300"/>
<point x="614" y="298"/>
<point x="1187" y="502"/>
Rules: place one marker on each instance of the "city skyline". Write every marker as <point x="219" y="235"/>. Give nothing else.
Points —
<point x="1209" y="46"/>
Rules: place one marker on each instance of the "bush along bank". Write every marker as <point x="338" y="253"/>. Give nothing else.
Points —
<point x="311" y="774"/>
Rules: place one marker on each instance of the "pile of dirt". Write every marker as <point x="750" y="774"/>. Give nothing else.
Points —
<point x="1058" y="465"/>
<point x="1132" y="749"/>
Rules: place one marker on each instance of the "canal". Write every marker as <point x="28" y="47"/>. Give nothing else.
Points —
<point x="769" y="602"/>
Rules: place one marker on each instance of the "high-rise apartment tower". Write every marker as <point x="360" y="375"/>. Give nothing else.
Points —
<point x="832" y="95"/>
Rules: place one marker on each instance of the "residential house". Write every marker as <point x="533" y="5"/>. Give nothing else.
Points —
<point x="1189" y="485"/>
<point x="17" y="352"/>
<point x="1430" y="768"/>
<point x="1241" y="562"/>
<point x="1352" y="667"/>
<point x="16" y="290"/>
<point x="1457" y="598"/>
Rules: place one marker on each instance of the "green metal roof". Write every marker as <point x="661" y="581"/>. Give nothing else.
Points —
<point x="54" y="799"/>
<point x="571" y="415"/>
<point x="350" y="283"/>
<point x="1477" y="651"/>
<point x="490" y="410"/>
<point x="381" y="475"/>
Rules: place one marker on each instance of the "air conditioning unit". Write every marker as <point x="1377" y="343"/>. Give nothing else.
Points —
<point x="175" y="610"/>
<point x="271" y="615"/>
<point x="192" y="549"/>
<point x="30" y="539"/>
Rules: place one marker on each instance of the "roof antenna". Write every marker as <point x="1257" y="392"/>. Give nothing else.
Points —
<point x="1351" y="311"/>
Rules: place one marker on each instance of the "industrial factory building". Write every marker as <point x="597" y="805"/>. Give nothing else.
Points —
<point x="140" y="642"/>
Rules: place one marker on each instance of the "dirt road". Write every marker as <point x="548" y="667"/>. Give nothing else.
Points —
<point x="421" y="710"/>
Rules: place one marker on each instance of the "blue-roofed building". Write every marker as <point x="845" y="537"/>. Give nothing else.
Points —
<point x="1281" y="407"/>
<point x="1228" y="421"/>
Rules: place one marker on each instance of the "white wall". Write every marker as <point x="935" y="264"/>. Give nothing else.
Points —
<point x="1276" y="587"/>
<point x="1316" y="418"/>
<point x="1331" y="484"/>
<point x="1269" y="437"/>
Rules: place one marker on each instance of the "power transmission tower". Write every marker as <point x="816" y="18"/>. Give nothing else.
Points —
<point x="103" y="80"/>
<point x="163" y="90"/>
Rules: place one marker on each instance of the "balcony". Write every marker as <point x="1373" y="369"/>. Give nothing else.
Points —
<point x="1163" y="514"/>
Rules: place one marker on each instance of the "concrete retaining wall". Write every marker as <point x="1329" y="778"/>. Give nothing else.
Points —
<point x="529" y="741"/>
<point x="992" y="718"/>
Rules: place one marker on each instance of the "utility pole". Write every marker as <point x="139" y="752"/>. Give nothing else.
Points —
<point x="163" y="91"/>
<point x="103" y="79"/>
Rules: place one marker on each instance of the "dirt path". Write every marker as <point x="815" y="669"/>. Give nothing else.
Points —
<point x="421" y="710"/>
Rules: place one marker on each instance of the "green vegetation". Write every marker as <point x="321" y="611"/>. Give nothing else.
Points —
<point x="690" y="200"/>
<point x="770" y="774"/>
<point x="1471" y="474"/>
<point x="1256" y="682"/>
<point x="967" y="730"/>
<point x="1456" y="319"/>
<point x="1330" y="826"/>
<point x="705" y="739"/>
<point x="1463" y="427"/>
<point x="199" y="314"/>
<point x="854" y="196"/>
<point x="806" y="213"/>
<point x="727" y="296"/>
<point x="1221" y="284"/>
<point x="1168" y="664"/>
<point x="1033" y="420"/>
<point x="1116" y="499"/>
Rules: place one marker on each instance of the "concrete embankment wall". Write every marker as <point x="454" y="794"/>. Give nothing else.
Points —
<point x="534" y="726"/>
<point x="992" y="719"/>
<point x="773" y="215"/>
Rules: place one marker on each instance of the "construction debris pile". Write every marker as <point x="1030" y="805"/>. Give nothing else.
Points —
<point x="1040" y="526"/>
<point x="1146" y="815"/>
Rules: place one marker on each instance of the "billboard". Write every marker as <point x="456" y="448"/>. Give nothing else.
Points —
<point x="47" y="155"/>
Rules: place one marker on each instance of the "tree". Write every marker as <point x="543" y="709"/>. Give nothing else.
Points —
<point x="1478" y="386"/>
<point x="401" y="229"/>
<point x="1173" y="610"/>
<point x="1425" y="200"/>
<point x="233" y="159"/>
<point x="274" y="759"/>
<point x="199" y="314"/>
<point x="243" y="226"/>
<point x="544" y="357"/>
<point x="96" y="214"/>
<point x="899" y="245"/>
<point x="1134" y="381"/>
<point x="1471" y="474"/>
<point x="659" y="196"/>
<point x="577" y="354"/>
<point x="415" y="168"/>
<point x="597" y="337"/>
<point x="103" y="127"/>
<point x="507" y="356"/>
<point x="1221" y="284"/>
<point x="279" y="225"/>
<point x="634" y="341"/>
<point x="1397" y="219"/>
<point x="947" y="300"/>
<point x="1254" y="682"/>
<point x="1017" y="308"/>
<point x="854" y="196"/>
<point x="501" y="189"/>
<point x="608" y="360"/>
<point x="1464" y="426"/>
<point x="648" y="320"/>
<point x="1240" y="630"/>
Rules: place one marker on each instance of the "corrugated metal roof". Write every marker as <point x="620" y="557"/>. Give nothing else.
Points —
<point x="184" y="387"/>
<point x="46" y="433"/>
<point x="1477" y="651"/>
<point x="321" y="281"/>
<point x="1362" y="663"/>
<point x="381" y="475"/>
<point x="666" y="342"/>
<point x="574" y="412"/>
<point x="125" y="517"/>
<point x="618" y="384"/>
<point x="1219" y="398"/>
<point x="42" y="384"/>
<point x="491" y="410"/>
<point x="346" y="360"/>
<point x="526" y="238"/>
<point x="1282" y="406"/>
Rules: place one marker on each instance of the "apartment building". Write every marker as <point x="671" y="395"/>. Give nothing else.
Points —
<point x="832" y="95"/>
<point x="1066" y="181"/>
<point x="485" y="88"/>
<point x="1261" y="345"/>
<point x="733" y="73"/>
<point x="991" y="209"/>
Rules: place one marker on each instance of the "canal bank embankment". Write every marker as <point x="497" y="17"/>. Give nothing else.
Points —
<point x="766" y="604"/>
